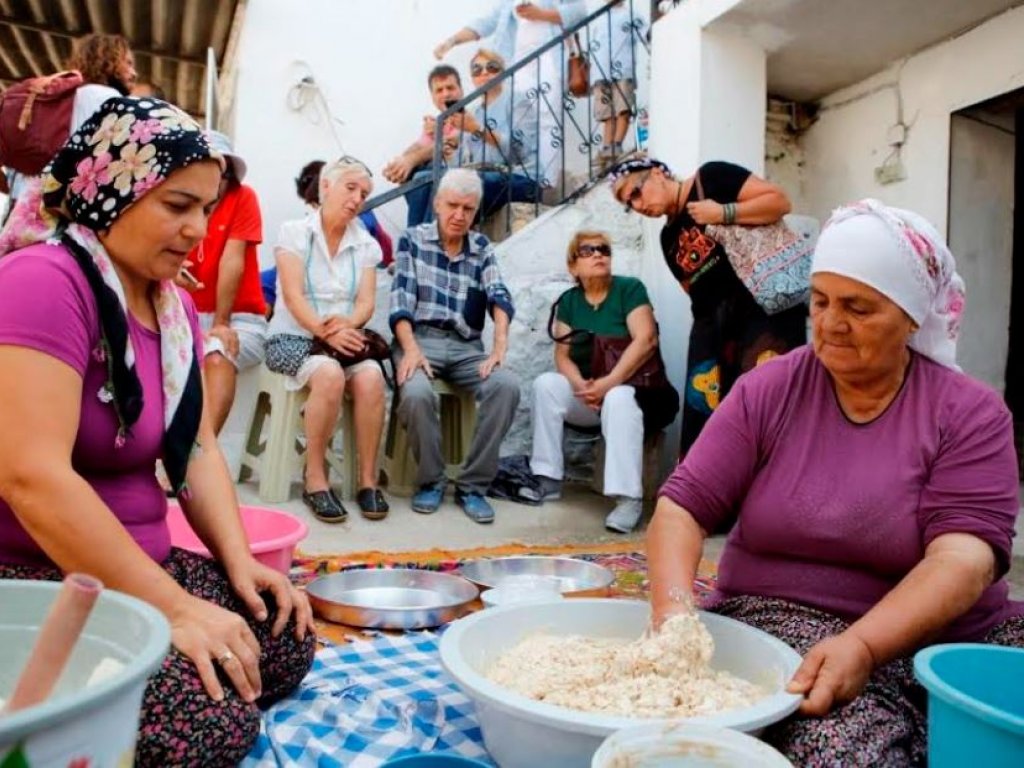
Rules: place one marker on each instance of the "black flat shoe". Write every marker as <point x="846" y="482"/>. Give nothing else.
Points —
<point x="325" y="506"/>
<point x="372" y="503"/>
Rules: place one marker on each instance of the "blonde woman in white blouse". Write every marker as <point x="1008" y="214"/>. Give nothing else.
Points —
<point x="327" y="285"/>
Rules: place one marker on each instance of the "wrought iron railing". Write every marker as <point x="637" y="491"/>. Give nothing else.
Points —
<point x="549" y="155"/>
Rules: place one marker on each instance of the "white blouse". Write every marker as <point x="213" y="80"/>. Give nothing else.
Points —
<point x="330" y="281"/>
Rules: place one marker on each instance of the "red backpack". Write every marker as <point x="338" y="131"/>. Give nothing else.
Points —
<point x="35" y="117"/>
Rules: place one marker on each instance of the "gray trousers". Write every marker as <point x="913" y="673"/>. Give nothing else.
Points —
<point x="457" y="362"/>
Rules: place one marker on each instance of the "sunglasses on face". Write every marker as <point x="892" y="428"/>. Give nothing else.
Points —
<point x="492" y="67"/>
<point x="587" y="251"/>
<point x="636" y="192"/>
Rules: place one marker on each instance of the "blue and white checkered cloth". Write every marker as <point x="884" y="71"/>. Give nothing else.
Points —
<point x="366" y="702"/>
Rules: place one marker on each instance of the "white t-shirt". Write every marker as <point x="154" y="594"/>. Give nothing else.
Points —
<point x="531" y="35"/>
<point x="331" y="281"/>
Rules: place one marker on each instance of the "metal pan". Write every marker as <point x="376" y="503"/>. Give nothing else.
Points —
<point x="576" y="577"/>
<point x="391" y="598"/>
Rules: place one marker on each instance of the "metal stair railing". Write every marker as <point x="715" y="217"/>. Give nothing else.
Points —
<point x="544" y="119"/>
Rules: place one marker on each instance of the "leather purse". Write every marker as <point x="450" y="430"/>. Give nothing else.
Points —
<point x="375" y="348"/>
<point x="579" y="71"/>
<point x="654" y="393"/>
<point x="771" y="260"/>
<point x="605" y="352"/>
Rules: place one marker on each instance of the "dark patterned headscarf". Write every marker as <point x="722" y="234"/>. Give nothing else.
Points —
<point x="128" y="147"/>
<point x="634" y="164"/>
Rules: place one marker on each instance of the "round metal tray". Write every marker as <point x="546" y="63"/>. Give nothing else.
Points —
<point x="576" y="577"/>
<point x="391" y="598"/>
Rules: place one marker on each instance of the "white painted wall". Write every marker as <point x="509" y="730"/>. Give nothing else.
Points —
<point x="981" y="235"/>
<point x="850" y="139"/>
<point x="370" y="60"/>
<point x="707" y="103"/>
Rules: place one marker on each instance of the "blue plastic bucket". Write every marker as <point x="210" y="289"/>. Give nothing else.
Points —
<point x="975" y="705"/>
<point x="435" y="760"/>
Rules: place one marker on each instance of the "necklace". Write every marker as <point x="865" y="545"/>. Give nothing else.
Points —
<point x="679" y="194"/>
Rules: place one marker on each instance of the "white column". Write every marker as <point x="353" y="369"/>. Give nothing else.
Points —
<point x="708" y="100"/>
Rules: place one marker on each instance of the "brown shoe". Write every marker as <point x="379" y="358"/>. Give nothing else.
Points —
<point x="372" y="503"/>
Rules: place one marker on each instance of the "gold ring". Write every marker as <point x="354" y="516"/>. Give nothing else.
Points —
<point x="228" y="656"/>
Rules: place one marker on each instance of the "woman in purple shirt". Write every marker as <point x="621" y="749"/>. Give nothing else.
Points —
<point x="874" y="492"/>
<point x="99" y="378"/>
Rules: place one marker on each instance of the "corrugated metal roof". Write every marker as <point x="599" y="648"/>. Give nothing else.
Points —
<point x="169" y="38"/>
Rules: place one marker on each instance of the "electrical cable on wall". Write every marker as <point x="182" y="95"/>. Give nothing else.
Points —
<point x="306" y="92"/>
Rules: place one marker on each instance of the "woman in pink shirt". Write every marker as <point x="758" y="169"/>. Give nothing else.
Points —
<point x="99" y="378"/>
<point x="873" y="490"/>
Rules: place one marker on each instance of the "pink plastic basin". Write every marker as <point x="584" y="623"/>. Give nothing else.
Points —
<point x="272" y="534"/>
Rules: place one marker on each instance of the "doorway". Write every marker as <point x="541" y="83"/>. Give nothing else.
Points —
<point x="986" y="233"/>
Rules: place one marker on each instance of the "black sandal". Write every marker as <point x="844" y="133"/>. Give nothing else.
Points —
<point x="325" y="506"/>
<point x="372" y="503"/>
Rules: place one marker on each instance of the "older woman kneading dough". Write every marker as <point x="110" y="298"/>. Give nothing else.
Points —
<point x="874" y="489"/>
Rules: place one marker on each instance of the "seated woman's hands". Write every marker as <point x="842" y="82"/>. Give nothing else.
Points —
<point x="593" y="391"/>
<point x="833" y="672"/>
<point x="349" y="340"/>
<point x="333" y="323"/>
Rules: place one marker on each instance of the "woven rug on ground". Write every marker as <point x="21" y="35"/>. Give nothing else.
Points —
<point x="624" y="560"/>
<point x="364" y="703"/>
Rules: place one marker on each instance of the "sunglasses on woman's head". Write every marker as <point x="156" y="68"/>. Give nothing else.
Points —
<point x="349" y="160"/>
<point x="491" y="66"/>
<point x="586" y="251"/>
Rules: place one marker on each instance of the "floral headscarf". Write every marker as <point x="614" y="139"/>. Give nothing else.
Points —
<point x="901" y="255"/>
<point x="122" y="152"/>
<point x="635" y="164"/>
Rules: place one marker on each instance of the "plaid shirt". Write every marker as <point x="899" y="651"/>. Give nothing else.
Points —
<point x="447" y="292"/>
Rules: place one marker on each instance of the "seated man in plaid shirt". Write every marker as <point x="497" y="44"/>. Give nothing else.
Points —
<point x="446" y="279"/>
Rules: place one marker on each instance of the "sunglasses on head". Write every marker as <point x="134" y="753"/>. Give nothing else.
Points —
<point x="349" y="160"/>
<point x="478" y="69"/>
<point x="586" y="251"/>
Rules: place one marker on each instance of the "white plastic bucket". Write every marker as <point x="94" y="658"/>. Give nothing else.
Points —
<point x="522" y="733"/>
<point x="80" y="724"/>
<point x="685" y="745"/>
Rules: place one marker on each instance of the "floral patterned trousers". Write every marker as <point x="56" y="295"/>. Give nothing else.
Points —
<point x="884" y="727"/>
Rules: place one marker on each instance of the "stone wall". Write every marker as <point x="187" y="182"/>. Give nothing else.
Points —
<point x="533" y="266"/>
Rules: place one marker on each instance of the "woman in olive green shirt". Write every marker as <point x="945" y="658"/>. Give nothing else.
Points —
<point x="605" y="305"/>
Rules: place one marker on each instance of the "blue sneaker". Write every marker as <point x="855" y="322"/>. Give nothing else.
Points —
<point x="428" y="498"/>
<point x="476" y="507"/>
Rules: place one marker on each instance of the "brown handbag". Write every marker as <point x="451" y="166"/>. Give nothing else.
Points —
<point x="579" y="70"/>
<point x="375" y="348"/>
<point x="654" y="393"/>
<point x="605" y="352"/>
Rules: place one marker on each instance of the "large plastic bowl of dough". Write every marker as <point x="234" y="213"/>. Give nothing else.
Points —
<point x="520" y="732"/>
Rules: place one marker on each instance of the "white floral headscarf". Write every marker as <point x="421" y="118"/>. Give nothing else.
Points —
<point x="901" y="255"/>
